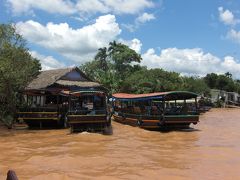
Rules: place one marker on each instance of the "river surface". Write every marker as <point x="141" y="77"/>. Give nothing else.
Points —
<point x="210" y="151"/>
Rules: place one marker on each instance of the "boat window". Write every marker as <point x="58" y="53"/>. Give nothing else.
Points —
<point x="180" y="107"/>
<point x="88" y="104"/>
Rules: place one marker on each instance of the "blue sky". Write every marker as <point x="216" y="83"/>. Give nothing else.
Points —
<point x="190" y="37"/>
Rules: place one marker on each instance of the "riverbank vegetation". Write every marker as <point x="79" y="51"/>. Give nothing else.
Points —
<point x="223" y="82"/>
<point x="17" y="68"/>
<point x="117" y="68"/>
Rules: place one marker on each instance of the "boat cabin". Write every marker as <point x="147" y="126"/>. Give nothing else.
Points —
<point x="156" y="110"/>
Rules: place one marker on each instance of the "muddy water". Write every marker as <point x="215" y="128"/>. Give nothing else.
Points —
<point x="211" y="151"/>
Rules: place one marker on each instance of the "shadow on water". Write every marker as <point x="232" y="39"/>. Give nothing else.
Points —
<point x="188" y="130"/>
<point x="45" y="128"/>
<point x="176" y="129"/>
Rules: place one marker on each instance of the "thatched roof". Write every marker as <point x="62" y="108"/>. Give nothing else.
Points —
<point x="49" y="77"/>
<point x="78" y="83"/>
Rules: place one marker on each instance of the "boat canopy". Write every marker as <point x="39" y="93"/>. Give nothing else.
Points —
<point x="79" y="93"/>
<point x="167" y="96"/>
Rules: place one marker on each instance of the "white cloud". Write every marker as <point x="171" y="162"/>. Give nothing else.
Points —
<point x="230" y="64"/>
<point x="129" y="27"/>
<point x="134" y="44"/>
<point x="190" y="62"/>
<point x="227" y="17"/>
<point x="234" y="35"/>
<point x="52" y="6"/>
<point x="145" y="17"/>
<point x="81" y="6"/>
<point x="128" y="6"/>
<point x="76" y="44"/>
<point x="140" y="20"/>
<point x="92" y="6"/>
<point x="47" y="62"/>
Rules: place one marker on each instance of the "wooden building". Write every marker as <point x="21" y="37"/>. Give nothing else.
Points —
<point x="64" y="97"/>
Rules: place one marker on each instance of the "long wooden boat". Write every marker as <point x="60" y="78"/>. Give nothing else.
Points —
<point x="156" y="110"/>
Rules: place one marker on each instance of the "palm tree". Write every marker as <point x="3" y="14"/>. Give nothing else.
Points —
<point x="101" y="57"/>
<point x="228" y="74"/>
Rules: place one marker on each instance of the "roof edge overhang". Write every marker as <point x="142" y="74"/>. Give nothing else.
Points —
<point x="171" y="95"/>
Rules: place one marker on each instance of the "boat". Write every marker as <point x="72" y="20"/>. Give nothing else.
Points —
<point x="155" y="111"/>
<point x="55" y="99"/>
<point x="87" y="111"/>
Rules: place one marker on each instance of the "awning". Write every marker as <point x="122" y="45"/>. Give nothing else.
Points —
<point x="79" y="93"/>
<point x="167" y="96"/>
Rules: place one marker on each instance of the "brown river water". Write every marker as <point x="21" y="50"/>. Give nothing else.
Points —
<point x="210" y="151"/>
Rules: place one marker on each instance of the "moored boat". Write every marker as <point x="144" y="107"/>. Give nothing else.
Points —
<point x="87" y="110"/>
<point x="175" y="109"/>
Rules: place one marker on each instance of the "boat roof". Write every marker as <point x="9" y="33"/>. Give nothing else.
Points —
<point x="82" y="92"/>
<point x="171" y="95"/>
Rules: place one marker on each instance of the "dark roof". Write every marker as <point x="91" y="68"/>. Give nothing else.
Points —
<point x="49" y="77"/>
<point x="172" y="95"/>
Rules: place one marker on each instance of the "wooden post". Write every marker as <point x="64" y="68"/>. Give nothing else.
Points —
<point x="58" y="100"/>
<point x="40" y="100"/>
<point x="69" y="102"/>
<point x="163" y="106"/>
<point x="92" y="102"/>
<point x="196" y="105"/>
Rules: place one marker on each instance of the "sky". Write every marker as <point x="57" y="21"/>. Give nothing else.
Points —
<point x="188" y="36"/>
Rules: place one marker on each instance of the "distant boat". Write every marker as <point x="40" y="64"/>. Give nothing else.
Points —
<point x="175" y="109"/>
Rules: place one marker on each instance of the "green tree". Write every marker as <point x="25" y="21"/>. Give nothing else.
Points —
<point x="112" y="65"/>
<point x="237" y="85"/>
<point x="101" y="58"/>
<point x="228" y="74"/>
<point x="225" y="83"/>
<point x="153" y="80"/>
<point x="158" y="80"/>
<point x="197" y="85"/>
<point x="122" y="58"/>
<point x="17" y="68"/>
<point x="211" y="80"/>
<point x="222" y="81"/>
